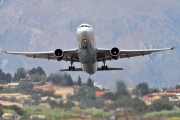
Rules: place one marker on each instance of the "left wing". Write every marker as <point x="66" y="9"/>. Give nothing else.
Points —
<point x="68" y="55"/>
<point x="104" y="54"/>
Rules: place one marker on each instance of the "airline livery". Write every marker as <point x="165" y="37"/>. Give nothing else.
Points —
<point x="87" y="53"/>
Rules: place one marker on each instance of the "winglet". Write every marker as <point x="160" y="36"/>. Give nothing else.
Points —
<point x="172" y="48"/>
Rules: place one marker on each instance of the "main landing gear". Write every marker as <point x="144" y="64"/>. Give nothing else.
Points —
<point x="71" y="68"/>
<point x="104" y="67"/>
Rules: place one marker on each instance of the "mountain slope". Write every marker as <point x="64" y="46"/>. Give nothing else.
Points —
<point x="47" y="25"/>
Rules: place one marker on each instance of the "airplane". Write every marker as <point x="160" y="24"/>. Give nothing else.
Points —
<point x="87" y="53"/>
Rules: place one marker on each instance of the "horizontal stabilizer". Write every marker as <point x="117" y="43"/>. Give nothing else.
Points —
<point x="99" y="69"/>
<point x="76" y="69"/>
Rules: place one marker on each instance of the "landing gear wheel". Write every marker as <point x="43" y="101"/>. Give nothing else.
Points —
<point x="106" y="67"/>
<point x="69" y="68"/>
<point x="73" y="68"/>
<point x="102" y="67"/>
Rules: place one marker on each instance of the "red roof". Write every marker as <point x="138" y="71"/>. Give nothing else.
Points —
<point x="50" y="90"/>
<point x="99" y="93"/>
<point x="172" y="90"/>
<point x="153" y="94"/>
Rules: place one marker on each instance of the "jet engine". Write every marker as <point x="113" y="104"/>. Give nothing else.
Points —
<point x="115" y="53"/>
<point x="58" y="53"/>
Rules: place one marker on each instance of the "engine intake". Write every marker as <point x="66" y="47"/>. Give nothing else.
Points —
<point x="115" y="53"/>
<point x="58" y="54"/>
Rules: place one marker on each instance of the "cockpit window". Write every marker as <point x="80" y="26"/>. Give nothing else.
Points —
<point x="84" y="26"/>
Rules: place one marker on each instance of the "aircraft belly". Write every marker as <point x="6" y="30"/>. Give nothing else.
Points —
<point x="90" y="68"/>
<point x="88" y="60"/>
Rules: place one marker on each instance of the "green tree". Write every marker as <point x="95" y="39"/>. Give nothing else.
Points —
<point x="40" y="71"/>
<point x="35" y="97"/>
<point x="55" y="78"/>
<point x="13" y="99"/>
<point x="37" y="70"/>
<point x="1" y="112"/>
<point x="177" y="86"/>
<point x="138" y="105"/>
<point x="99" y="102"/>
<point x="21" y="73"/>
<point x="154" y="90"/>
<point x="162" y="104"/>
<point x="69" y="104"/>
<point x="25" y="87"/>
<point x="79" y="81"/>
<point x="85" y="95"/>
<point x="90" y="83"/>
<point x="69" y="80"/>
<point x="109" y="96"/>
<point x="142" y="89"/>
<point x="8" y="77"/>
<point x="121" y="90"/>
<point x="5" y="78"/>
<point x="18" y="110"/>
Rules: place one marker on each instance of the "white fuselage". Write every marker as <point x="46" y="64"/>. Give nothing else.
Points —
<point x="87" y="51"/>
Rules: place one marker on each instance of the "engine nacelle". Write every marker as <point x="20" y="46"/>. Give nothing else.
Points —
<point x="58" y="53"/>
<point x="115" y="53"/>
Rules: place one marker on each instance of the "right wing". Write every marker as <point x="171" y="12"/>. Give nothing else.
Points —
<point x="68" y="55"/>
<point x="104" y="54"/>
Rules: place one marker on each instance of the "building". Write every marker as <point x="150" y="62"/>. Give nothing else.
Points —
<point x="25" y="79"/>
<point x="13" y="85"/>
<point x="8" y="116"/>
<point x="149" y="98"/>
<point x="99" y="93"/>
<point x="172" y="90"/>
<point x="64" y="91"/>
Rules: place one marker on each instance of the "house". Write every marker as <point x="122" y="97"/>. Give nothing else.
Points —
<point x="13" y="85"/>
<point x="149" y="98"/>
<point x="172" y="90"/>
<point x="35" y="117"/>
<point x="107" y="102"/>
<point x="64" y="91"/>
<point x="25" y="79"/>
<point x="8" y="116"/>
<point x="99" y="93"/>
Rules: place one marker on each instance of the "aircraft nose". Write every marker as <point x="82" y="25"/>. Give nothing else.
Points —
<point x="83" y="32"/>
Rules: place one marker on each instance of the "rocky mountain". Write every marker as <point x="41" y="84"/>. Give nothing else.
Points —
<point x="35" y="25"/>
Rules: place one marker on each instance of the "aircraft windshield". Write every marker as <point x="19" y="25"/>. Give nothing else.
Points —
<point x="84" y="26"/>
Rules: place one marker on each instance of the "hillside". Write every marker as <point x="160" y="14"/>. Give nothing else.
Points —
<point x="47" y="25"/>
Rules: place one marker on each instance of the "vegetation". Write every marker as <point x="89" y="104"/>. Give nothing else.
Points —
<point x="167" y="113"/>
<point x="143" y="89"/>
<point x="89" y="103"/>
<point x="79" y="81"/>
<point x="162" y="104"/>
<point x="12" y="109"/>
<point x="90" y="83"/>
<point x="64" y="80"/>
<point x="21" y="73"/>
<point x="5" y="78"/>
